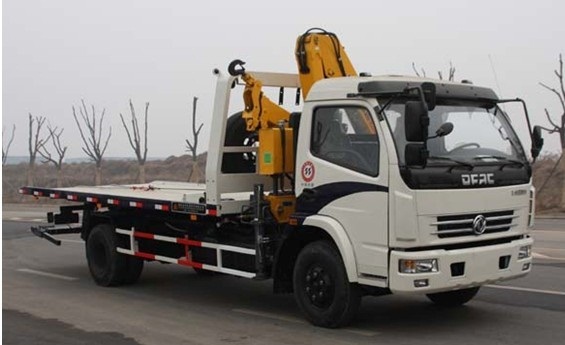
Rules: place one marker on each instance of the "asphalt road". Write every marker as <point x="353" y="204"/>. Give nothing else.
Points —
<point x="48" y="297"/>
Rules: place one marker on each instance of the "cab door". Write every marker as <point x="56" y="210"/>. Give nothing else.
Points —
<point x="342" y="173"/>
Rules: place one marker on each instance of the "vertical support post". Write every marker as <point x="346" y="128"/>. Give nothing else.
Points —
<point x="259" y="226"/>
<point x="219" y="262"/>
<point x="132" y="243"/>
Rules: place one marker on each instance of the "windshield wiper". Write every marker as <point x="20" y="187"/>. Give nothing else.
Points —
<point x="469" y="165"/>
<point x="507" y="161"/>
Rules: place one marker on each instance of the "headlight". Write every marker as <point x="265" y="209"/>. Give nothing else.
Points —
<point x="525" y="252"/>
<point x="417" y="266"/>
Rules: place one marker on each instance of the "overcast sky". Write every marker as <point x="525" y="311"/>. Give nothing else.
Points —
<point x="57" y="52"/>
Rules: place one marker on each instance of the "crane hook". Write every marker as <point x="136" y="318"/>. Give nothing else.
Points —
<point x="233" y="69"/>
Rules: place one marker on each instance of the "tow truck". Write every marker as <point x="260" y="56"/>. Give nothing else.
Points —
<point x="378" y="185"/>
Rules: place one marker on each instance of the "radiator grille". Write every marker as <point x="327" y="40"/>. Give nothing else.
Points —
<point x="462" y="224"/>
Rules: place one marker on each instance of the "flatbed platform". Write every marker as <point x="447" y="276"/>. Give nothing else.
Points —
<point x="166" y="196"/>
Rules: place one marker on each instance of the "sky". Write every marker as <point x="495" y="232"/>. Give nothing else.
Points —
<point x="57" y="52"/>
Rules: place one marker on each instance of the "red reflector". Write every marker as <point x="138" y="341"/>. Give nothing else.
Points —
<point x="143" y="235"/>
<point x="162" y="207"/>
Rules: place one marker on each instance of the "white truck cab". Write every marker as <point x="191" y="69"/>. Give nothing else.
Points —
<point x="459" y="222"/>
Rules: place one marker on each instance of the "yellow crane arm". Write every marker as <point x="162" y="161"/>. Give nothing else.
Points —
<point x="320" y="55"/>
<point x="260" y="112"/>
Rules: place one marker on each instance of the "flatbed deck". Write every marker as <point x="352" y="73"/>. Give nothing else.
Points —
<point x="166" y="196"/>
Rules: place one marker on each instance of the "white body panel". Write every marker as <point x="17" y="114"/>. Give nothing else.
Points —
<point x="362" y="214"/>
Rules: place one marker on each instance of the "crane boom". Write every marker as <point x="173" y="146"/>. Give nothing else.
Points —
<point x="320" y="55"/>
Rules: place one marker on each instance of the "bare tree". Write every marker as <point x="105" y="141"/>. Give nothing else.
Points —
<point x="422" y="72"/>
<point x="6" y="149"/>
<point x="193" y="146"/>
<point x="558" y="126"/>
<point x="138" y="140"/>
<point x="93" y="145"/>
<point x="55" y="135"/>
<point x="35" y="142"/>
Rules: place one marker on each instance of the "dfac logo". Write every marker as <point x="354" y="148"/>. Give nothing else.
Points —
<point x="308" y="171"/>
<point x="477" y="179"/>
<point x="479" y="224"/>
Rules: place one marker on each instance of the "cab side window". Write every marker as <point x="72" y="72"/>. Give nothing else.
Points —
<point x="346" y="136"/>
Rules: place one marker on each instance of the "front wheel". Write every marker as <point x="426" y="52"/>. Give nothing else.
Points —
<point x="453" y="298"/>
<point x="321" y="288"/>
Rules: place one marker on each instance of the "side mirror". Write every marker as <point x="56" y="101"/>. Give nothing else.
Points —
<point x="445" y="129"/>
<point x="416" y="121"/>
<point x="537" y="142"/>
<point x="429" y="90"/>
<point x="415" y="154"/>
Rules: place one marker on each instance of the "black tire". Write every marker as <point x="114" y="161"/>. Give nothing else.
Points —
<point x="107" y="266"/>
<point x="133" y="270"/>
<point x="330" y="301"/>
<point x="453" y="298"/>
<point x="237" y="135"/>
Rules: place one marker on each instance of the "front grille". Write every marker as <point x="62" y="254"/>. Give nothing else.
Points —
<point x="462" y="224"/>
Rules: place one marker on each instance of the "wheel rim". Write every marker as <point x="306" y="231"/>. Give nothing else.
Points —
<point x="319" y="286"/>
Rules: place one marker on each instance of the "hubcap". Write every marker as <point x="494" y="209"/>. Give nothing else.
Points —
<point x="319" y="286"/>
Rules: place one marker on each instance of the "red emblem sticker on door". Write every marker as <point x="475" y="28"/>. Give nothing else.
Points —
<point x="308" y="171"/>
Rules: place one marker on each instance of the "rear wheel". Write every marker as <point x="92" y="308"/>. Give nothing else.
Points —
<point x="133" y="271"/>
<point x="453" y="298"/>
<point x="107" y="266"/>
<point x="321" y="288"/>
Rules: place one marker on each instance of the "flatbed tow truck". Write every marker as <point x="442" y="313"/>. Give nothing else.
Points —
<point x="350" y="197"/>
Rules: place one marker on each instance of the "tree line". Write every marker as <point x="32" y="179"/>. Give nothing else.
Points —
<point x="45" y="140"/>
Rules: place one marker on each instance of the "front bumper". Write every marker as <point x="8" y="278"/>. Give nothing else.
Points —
<point x="482" y="265"/>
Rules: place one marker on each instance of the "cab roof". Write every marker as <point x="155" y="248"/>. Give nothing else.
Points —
<point x="347" y="87"/>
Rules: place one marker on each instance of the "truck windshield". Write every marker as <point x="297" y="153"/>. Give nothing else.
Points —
<point x="481" y="134"/>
